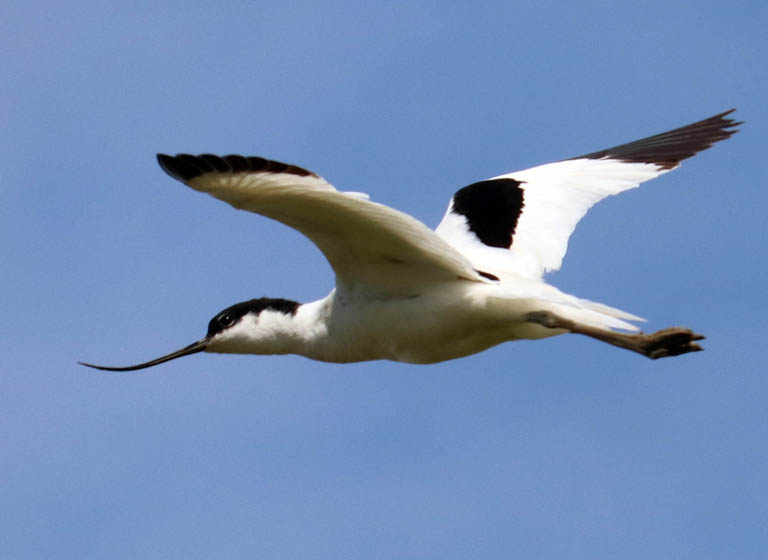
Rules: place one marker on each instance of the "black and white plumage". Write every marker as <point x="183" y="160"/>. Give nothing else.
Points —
<point x="407" y="293"/>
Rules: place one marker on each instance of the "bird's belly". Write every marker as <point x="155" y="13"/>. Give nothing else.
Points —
<point x="429" y="329"/>
<point x="454" y="345"/>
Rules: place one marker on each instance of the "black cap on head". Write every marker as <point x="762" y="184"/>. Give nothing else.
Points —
<point x="231" y="315"/>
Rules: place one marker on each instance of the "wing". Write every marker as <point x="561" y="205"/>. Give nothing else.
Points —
<point x="520" y="223"/>
<point x="371" y="247"/>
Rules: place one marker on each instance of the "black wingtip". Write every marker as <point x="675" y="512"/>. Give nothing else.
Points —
<point x="185" y="167"/>
<point x="726" y="113"/>
<point x="668" y="149"/>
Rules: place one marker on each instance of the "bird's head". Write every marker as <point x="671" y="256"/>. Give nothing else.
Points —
<point x="249" y="327"/>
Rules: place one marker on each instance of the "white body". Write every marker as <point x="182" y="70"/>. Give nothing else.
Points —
<point x="450" y="321"/>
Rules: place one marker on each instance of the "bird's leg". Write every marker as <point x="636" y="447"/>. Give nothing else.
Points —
<point x="666" y="342"/>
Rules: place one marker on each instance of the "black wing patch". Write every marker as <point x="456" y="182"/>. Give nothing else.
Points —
<point x="492" y="209"/>
<point x="186" y="167"/>
<point x="668" y="149"/>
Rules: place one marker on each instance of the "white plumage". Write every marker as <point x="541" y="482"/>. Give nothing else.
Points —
<point x="407" y="293"/>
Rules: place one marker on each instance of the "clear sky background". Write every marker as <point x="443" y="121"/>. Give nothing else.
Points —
<point x="564" y="448"/>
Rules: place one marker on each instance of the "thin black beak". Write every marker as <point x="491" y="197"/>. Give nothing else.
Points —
<point x="194" y="348"/>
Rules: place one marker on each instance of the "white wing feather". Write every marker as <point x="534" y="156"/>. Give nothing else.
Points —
<point x="371" y="247"/>
<point x="557" y="196"/>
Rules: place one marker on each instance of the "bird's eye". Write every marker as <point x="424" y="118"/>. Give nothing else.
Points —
<point x="226" y="320"/>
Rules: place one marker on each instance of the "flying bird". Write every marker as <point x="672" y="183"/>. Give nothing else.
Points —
<point x="410" y="294"/>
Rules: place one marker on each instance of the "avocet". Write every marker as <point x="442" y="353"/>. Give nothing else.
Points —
<point x="409" y="294"/>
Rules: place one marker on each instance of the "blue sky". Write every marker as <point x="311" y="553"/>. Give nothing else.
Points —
<point x="564" y="448"/>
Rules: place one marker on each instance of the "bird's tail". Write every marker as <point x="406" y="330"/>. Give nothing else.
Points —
<point x="581" y="311"/>
<point x="606" y="310"/>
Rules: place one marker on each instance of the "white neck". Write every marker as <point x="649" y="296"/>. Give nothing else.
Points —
<point x="306" y="332"/>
